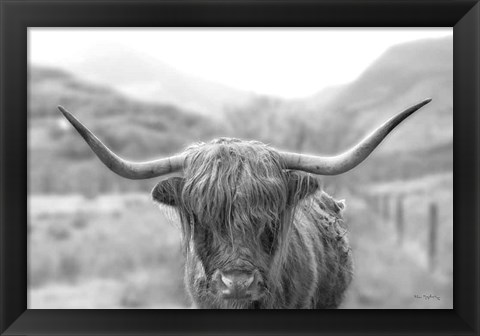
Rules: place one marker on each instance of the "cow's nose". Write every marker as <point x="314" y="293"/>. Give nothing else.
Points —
<point x="239" y="285"/>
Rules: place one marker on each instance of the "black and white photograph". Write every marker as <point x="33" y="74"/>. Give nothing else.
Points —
<point x="240" y="168"/>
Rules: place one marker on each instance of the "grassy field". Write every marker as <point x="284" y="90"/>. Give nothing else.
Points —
<point x="394" y="274"/>
<point x="117" y="251"/>
<point x="109" y="252"/>
<point x="417" y="198"/>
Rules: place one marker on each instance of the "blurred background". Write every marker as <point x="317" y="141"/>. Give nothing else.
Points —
<point x="96" y="240"/>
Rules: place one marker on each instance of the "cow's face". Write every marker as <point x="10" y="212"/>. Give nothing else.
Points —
<point x="235" y="202"/>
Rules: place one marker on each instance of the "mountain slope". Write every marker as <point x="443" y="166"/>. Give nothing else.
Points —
<point x="145" y="78"/>
<point x="401" y="77"/>
<point x="60" y="160"/>
<point x="107" y="110"/>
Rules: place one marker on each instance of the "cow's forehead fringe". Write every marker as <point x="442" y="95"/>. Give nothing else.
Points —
<point x="235" y="183"/>
<point x="233" y="159"/>
<point x="232" y="148"/>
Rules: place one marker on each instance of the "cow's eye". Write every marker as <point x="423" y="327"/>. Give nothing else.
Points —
<point x="268" y="239"/>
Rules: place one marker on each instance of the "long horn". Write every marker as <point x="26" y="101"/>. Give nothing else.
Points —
<point x="127" y="169"/>
<point x="342" y="163"/>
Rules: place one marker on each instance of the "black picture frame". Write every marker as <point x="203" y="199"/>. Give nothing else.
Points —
<point x="17" y="15"/>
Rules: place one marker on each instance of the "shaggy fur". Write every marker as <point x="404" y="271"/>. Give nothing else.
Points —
<point x="241" y="210"/>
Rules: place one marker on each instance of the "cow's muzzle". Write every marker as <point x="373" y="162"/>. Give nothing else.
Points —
<point x="239" y="285"/>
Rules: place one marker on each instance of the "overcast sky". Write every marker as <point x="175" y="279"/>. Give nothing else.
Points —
<point x="283" y="62"/>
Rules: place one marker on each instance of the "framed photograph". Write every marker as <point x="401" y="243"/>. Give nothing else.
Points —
<point x="163" y="156"/>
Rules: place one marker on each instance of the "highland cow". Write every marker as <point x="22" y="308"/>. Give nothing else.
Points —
<point x="257" y="230"/>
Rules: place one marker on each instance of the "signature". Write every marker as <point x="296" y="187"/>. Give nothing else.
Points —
<point x="427" y="297"/>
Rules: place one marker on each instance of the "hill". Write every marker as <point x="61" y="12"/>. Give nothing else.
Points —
<point x="134" y="129"/>
<point x="404" y="75"/>
<point x="145" y="78"/>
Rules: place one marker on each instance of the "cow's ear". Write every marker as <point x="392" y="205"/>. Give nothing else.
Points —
<point x="168" y="191"/>
<point x="300" y="186"/>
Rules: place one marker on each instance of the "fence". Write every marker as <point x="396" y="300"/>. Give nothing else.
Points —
<point x="391" y="208"/>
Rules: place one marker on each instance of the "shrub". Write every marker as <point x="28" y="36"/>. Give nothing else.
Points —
<point x="59" y="232"/>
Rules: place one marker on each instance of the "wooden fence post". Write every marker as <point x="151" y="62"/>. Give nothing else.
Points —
<point x="432" y="236"/>
<point x="400" y="224"/>
<point x="371" y="201"/>
<point x="378" y="203"/>
<point x="386" y="206"/>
